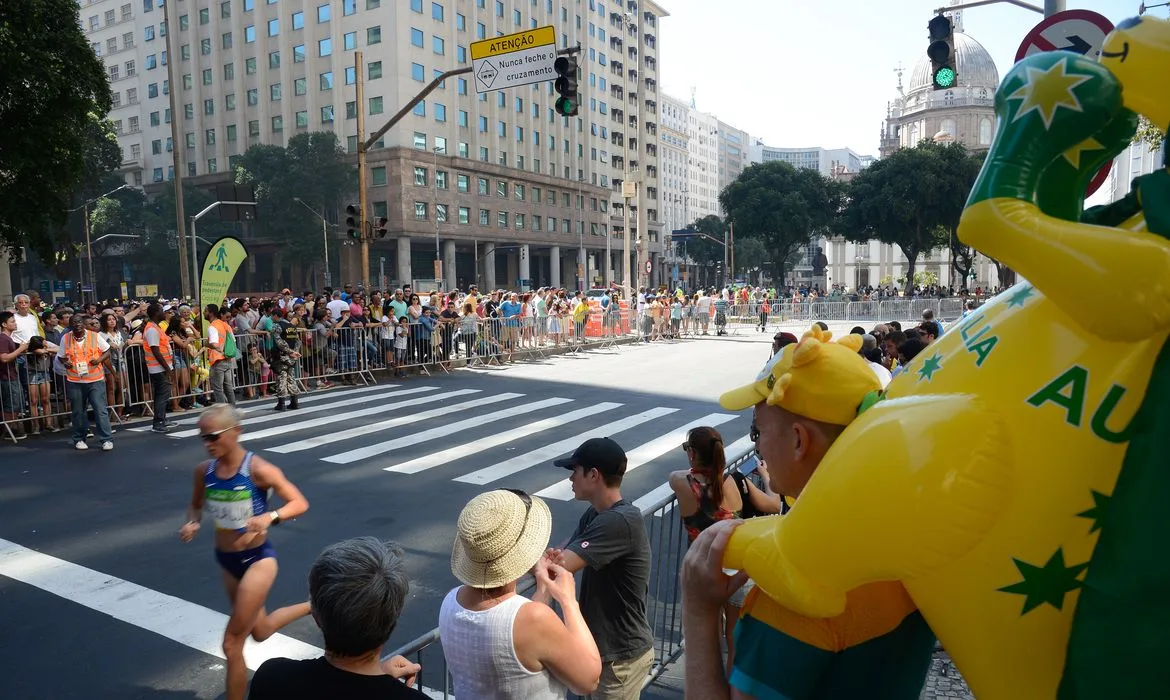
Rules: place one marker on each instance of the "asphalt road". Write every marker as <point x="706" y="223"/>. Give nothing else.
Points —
<point x="99" y="599"/>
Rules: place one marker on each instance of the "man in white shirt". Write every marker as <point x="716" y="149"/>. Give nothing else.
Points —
<point x="703" y="311"/>
<point x="336" y="305"/>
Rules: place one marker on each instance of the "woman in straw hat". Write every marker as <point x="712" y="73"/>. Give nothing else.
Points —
<point x="500" y="645"/>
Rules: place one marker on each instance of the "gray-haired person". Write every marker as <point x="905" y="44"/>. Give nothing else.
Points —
<point x="357" y="589"/>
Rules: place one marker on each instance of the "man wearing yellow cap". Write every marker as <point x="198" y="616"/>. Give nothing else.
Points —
<point x="880" y="646"/>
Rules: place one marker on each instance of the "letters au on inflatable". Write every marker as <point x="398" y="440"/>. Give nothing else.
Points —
<point x="1017" y="476"/>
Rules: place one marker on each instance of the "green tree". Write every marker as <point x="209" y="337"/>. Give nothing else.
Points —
<point x="53" y="134"/>
<point x="705" y="252"/>
<point x="750" y="255"/>
<point x="314" y="168"/>
<point x="913" y="199"/>
<point x="780" y="206"/>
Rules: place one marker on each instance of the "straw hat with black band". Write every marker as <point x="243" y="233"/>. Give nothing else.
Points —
<point x="500" y="535"/>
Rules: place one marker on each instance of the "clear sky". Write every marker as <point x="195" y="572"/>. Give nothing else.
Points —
<point x="820" y="72"/>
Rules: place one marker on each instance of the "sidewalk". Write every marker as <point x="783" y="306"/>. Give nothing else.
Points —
<point x="943" y="682"/>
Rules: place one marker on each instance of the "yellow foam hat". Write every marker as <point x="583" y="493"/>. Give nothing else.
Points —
<point x="816" y="378"/>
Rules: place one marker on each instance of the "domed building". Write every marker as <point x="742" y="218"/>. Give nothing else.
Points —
<point x="963" y="114"/>
<point x="966" y="112"/>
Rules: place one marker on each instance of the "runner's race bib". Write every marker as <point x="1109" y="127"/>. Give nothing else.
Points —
<point x="229" y="509"/>
<point x="82" y="368"/>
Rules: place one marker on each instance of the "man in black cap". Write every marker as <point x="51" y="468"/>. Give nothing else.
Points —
<point x="610" y="544"/>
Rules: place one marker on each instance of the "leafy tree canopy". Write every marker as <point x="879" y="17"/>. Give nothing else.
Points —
<point x="54" y="139"/>
<point x="780" y="206"/>
<point x="1149" y="134"/>
<point x="912" y="199"/>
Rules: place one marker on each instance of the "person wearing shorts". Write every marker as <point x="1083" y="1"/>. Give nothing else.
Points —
<point x="233" y="486"/>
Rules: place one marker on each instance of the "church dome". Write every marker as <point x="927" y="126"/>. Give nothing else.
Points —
<point x="975" y="67"/>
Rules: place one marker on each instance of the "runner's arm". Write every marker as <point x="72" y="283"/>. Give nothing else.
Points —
<point x="268" y="476"/>
<point x="195" y="510"/>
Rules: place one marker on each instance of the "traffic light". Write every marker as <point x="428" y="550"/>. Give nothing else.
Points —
<point x="566" y="86"/>
<point x="352" y="222"/>
<point x="942" y="52"/>
<point x="380" y="227"/>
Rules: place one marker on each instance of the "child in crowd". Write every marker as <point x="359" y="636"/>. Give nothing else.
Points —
<point x="400" y="335"/>
<point x="260" y="368"/>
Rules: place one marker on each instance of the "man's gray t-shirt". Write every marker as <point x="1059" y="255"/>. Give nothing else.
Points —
<point x="616" y="552"/>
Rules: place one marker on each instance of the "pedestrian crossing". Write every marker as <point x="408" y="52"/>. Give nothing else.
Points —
<point x="476" y="436"/>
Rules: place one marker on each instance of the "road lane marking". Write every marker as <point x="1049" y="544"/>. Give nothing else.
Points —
<point x="545" y="454"/>
<point x="563" y="490"/>
<point x="443" y="431"/>
<point x="265" y="404"/>
<point x="176" y="619"/>
<point x="324" y="420"/>
<point x="372" y="428"/>
<point x="441" y="457"/>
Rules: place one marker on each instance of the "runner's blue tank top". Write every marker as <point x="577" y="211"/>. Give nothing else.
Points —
<point x="230" y="502"/>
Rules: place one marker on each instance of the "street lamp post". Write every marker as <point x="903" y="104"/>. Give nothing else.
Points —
<point x="857" y="260"/>
<point x="438" y="259"/>
<point x="324" y="237"/>
<point x="88" y="246"/>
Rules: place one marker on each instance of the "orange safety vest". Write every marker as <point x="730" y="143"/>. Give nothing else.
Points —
<point x="164" y="346"/>
<point x="83" y="355"/>
<point x="214" y="355"/>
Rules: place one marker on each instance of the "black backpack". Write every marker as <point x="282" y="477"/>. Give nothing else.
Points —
<point x="749" y="510"/>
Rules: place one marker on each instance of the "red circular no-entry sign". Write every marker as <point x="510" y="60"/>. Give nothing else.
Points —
<point x="1079" y="31"/>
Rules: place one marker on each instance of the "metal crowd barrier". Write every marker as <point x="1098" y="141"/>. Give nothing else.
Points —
<point x="668" y="545"/>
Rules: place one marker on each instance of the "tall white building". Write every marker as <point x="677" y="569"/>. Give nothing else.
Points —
<point x="826" y="161"/>
<point x="674" y="166"/>
<point x="1136" y="160"/>
<point x="463" y="172"/>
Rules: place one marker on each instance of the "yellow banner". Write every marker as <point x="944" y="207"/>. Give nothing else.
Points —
<point x="219" y="269"/>
<point x="529" y="39"/>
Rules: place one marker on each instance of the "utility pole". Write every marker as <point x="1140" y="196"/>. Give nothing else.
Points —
<point x="185" y="282"/>
<point x="731" y="250"/>
<point x="359" y="89"/>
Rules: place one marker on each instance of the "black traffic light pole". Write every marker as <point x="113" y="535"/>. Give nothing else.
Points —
<point x="409" y="106"/>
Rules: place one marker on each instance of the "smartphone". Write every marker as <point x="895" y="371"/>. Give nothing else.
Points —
<point x="750" y="465"/>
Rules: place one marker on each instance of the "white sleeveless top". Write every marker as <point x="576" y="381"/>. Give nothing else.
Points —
<point x="481" y="654"/>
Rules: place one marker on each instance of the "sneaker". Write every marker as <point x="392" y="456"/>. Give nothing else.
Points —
<point x="162" y="429"/>
<point x="107" y="446"/>
<point x="171" y="424"/>
<point x="80" y="445"/>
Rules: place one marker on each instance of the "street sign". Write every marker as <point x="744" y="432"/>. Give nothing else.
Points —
<point x="649" y="267"/>
<point x="516" y="59"/>
<point x="1079" y="31"/>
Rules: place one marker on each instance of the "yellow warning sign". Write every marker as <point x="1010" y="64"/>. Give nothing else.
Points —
<point x="541" y="36"/>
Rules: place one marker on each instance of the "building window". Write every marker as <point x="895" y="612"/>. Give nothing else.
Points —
<point x="249" y="34"/>
<point x="254" y="128"/>
<point x="537" y="222"/>
<point x="274" y="60"/>
<point x="463" y="118"/>
<point x="482" y="186"/>
<point x="518" y="190"/>
<point x="253" y="97"/>
<point x="348" y="7"/>
<point x="350" y="75"/>
<point x="417" y="72"/>
<point x="327" y="114"/>
<point x="274" y="92"/>
<point x="205" y="47"/>
<point x="231" y="132"/>
<point x="502" y="219"/>
<point x="277" y="124"/>
<point x="325" y="47"/>
<point x="483" y="154"/>
<point x="420" y="141"/>
<point x="420" y="109"/>
<point x="461" y="182"/>
<point x="375" y="105"/>
<point x="350" y="40"/>
<point x="519" y="222"/>
<point x="464" y="215"/>
<point x="209" y="107"/>
<point x="225" y="9"/>
<point x="375" y="70"/>
<point x="460" y="22"/>
<point x="300" y="86"/>
<point x="250" y="66"/>
<point x="985" y="132"/>
<point x="378" y="175"/>
<point x="420" y="176"/>
<point x="420" y="211"/>
<point x="441" y="179"/>
<point x="273" y="27"/>
<point x="322" y="13"/>
<point x="416" y="6"/>
<point x="501" y="188"/>
<point x="440" y="112"/>
<point x="351" y="110"/>
<point x="209" y="137"/>
<point x="483" y="217"/>
<point x="416" y="37"/>
<point x="374" y="35"/>
<point x="326" y="80"/>
<point x="225" y="40"/>
<point x="441" y="213"/>
<point x="462" y="149"/>
<point x="298" y="20"/>
<point x="299" y="53"/>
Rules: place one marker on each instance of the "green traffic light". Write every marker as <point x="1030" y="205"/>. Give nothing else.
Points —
<point x="944" y="77"/>
<point x="565" y="107"/>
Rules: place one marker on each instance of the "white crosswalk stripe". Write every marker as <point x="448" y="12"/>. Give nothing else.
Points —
<point x="545" y="454"/>
<point x="355" y="415"/>
<point x="441" y="457"/>
<point x="271" y="416"/>
<point x="375" y="428"/>
<point x="442" y="431"/>
<point x="563" y="490"/>
<point x="266" y="403"/>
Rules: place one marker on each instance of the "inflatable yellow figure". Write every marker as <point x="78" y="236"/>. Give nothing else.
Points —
<point x="1015" y="478"/>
